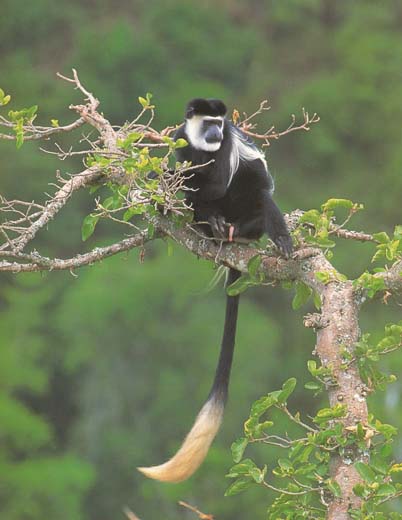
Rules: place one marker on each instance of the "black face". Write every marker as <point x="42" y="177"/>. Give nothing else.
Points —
<point x="213" y="130"/>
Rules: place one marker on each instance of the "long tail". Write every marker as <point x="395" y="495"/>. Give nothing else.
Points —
<point x="196" y="445"/>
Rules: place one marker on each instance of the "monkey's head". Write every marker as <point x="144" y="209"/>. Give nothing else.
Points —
<point x="205" y="119"/>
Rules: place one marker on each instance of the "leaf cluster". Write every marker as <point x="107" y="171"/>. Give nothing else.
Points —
<point x="317" y="226"/>
<point x="367" y="354"/>
<point x="301" y="479"/>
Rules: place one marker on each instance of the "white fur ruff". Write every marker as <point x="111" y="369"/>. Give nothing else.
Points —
<point x="195" y="135"/>
<point x="242" y="150"/>
<point x="194" y="448"/>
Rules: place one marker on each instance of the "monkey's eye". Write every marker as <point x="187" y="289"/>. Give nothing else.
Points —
<point x="217" y="123"/>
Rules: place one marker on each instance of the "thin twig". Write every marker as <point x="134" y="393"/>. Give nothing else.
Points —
<point x="202" y="516"/>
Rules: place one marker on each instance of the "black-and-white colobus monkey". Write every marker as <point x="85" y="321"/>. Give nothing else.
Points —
<point x="233" y="194"/>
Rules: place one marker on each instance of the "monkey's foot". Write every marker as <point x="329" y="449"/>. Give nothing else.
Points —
<point x="284" y="244"/>
<point x="220" y="228"/>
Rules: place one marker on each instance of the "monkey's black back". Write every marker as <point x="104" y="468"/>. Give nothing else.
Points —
<point x="244" y="200"/>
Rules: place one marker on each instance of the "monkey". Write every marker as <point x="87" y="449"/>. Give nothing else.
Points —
<point x="231" y="196"/>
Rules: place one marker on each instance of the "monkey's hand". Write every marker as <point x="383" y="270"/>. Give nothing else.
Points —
<point x="225" y="231"/>
<point x="220" y="228"/>
<point x="284" y="244"/>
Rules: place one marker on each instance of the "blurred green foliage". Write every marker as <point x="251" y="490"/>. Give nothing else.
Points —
<point x="95" y="372"/>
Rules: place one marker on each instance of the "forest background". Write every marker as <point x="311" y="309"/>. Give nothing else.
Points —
<point x="96" y="370"/>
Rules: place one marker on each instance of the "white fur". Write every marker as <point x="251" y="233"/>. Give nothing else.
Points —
<point x="242" y="150"/>
<point x="195" y="136"/>
<point x="194" y="448"/>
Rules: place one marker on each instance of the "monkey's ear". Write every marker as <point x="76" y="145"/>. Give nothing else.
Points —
<point x="190" y="112"/>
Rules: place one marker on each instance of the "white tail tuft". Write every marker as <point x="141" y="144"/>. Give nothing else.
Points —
<point x="194" y="448"/>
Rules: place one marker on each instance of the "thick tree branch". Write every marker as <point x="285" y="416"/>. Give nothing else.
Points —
<point x="341" y="331"/>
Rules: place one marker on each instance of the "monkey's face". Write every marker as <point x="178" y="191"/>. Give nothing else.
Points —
<point x="205" y="132"/>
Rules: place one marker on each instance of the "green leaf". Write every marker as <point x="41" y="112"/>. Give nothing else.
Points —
<point x="337" y="203"/>
<point x="382" y="237"/>
<point x="371" y="283"/>
<point x="261" y="405"/>
<point x="88" y="226"/>
<point x="335" y="488"/>
<point x="31" y="111"/>
<point x="238" y="448"/>
<point x="285" y="464"/>
<point x="312" y="216"/>
<point x="324" y="241"/>
<point x="138" y="209"/>
<point x="312" y="385"/>
<point x="19" y="141"/>
<point x="287" y="389"/>
<point x="312" y="367"/>
<point x="323" y="277"/>
<point x="151" y="230"/>
<point x="385" y="490"/>
<point x="365" y="472"/>
<point x="238" y="486"/>
<point x="143" y="102"/>
<point x="303" y="293"/>
<point x="241" y="469"/>
<point x="398" y="232"/>
<point x="250" y="427"/>
<point x="387" y="430"/>
<point x="378" y="463"/>
<point x="180" y="143"/>
<point x="55" y="122"/>
<point x="326" y="414"/>
<point x="253" y="265"/>
<point x="257" y="474"/>
<point x="4" y="100"/>
<point x="94" y="188"/>
<point x="359" y="490"/>
<point x="239" y="286"/>
<point x="261" y="428"/>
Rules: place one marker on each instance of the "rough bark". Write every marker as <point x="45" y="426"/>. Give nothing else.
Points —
<point x="341" y="331"/>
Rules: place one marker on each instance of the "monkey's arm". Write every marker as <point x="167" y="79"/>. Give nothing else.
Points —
<point x="264" y="217"/>
<point x="276" y="226"/>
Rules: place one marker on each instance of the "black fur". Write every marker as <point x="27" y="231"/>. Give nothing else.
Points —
<point x="205" y="107"/>
<point x="219" y="201"/>
<point x="221" y="198"/>
<point x="245" y="202"/>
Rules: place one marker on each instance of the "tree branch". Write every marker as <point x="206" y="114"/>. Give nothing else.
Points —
<point x="51" y="209"/>
<point x="41" y="263"/>
<point x="392" y="278"/>
<point x="34" y="133"/>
